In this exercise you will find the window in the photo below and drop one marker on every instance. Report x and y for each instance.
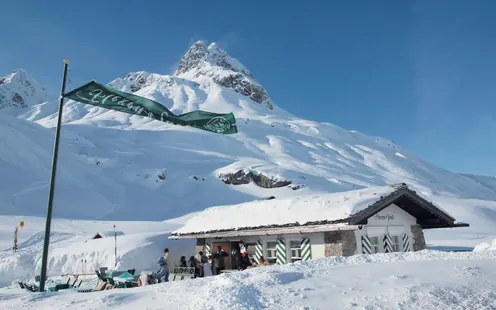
(271, 252)
(295, 247)
(396, 243)
(374, 244)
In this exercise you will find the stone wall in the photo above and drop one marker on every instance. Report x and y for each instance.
(418, 241)
(200, 245)
(340, 243)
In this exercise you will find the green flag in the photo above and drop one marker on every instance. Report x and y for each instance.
(109, 98)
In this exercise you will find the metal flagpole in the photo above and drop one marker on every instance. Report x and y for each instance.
(115, 246)
(52, 183)
(15, 239)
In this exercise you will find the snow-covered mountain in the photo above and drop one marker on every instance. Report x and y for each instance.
(201, 61)
(20, 90)
(122, 166)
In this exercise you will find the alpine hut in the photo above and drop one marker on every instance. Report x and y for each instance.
(366, 221)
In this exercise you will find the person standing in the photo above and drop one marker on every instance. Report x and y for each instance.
(170, 263)
(182, 262)
(236, 254)
(203, 264)
(218, 258)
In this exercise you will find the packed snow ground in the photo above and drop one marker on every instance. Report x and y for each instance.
(421, 280)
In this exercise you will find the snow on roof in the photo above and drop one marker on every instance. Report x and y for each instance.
(277, 212)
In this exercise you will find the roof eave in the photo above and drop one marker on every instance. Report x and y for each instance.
(268, 231)
(445, 225)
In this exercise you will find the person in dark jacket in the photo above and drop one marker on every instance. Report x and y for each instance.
(202, 258)
(192, 262)
(182, 262)
(236, 254)
(245, 261)
(218, 258)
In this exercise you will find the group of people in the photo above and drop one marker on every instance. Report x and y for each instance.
(240, 259)
(204, 265)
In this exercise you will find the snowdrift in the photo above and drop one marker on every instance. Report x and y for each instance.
(485, 246)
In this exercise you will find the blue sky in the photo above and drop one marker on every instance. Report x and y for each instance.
(422, 74)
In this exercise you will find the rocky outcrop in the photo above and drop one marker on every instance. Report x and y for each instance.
(242, 85)
(135, 81)
(206, 61)
(297, 187)
(237, 178)
(246, 176)
(266, 182)
(16, 101)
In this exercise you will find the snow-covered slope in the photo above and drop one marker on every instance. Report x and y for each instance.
(486, 181)
(175, 170)
(138, 160)
(272, 149)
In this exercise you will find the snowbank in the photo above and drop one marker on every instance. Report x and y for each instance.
(486, 246)
(381, 281)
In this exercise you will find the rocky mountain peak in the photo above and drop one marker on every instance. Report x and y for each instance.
(18, 89)
(199, 55)
(212, 61)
